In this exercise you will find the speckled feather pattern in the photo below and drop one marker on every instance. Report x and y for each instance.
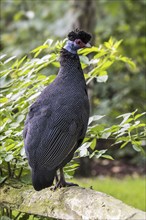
(57, 121)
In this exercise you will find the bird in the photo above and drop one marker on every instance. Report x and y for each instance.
(57, 121)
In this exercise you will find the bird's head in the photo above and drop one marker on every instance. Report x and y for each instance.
(77, 40)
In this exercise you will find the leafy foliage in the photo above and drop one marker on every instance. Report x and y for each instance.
(24, 79)
(129, 131)
(125, 90)
(25, 26)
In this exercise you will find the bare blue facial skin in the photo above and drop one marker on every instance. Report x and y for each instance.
(71, 46)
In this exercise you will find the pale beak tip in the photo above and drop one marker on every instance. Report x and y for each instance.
(88, 45)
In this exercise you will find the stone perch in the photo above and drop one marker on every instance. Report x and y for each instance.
(73, 203)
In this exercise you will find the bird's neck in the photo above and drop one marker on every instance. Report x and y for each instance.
(70, 65)
(71, 47)
(68, 59)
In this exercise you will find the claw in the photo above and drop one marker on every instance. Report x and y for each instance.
(62, 183)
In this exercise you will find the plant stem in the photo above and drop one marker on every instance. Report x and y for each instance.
(20, 173)
(9, 169)
(14, 168)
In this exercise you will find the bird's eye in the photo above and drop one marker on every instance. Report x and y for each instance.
(78, 42)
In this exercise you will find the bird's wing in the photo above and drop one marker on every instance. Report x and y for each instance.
(35, 124)
(49, 141)
(55, 147)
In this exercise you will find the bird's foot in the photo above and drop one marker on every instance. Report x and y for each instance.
(61, 184)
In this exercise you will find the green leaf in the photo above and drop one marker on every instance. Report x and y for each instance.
(111, 41)
(3, 100)
(84, 60)
(100, 54)
(2, 179)
(34, 96)
(2, 56)
(106, 135)
(125, 116)
(106, 65)
(93, 144)
(129, 61)
(56, 64)
(100, 153)
(49, 42)
(107, 45)
(14, 125)
(95, 118)
(139, 115)
(101, 79)
(20, 118)
(112, 129)
(9, 158)
(8, 60)
(136, 147)
(93, 154)
(116, 45)
(22, 152)
(86, 51)
(124, 144)
(10, 147)
(21, 61)
(107, 157)
(83, 149)
(40, 48)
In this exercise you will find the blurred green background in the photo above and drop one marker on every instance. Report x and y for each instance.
(26, 24)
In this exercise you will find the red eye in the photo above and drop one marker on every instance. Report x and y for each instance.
(78, 42)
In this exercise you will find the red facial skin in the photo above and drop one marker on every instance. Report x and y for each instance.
(80, 43)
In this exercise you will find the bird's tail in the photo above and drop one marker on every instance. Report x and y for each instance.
(42, 178)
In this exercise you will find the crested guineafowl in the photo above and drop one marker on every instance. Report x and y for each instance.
(57, 121)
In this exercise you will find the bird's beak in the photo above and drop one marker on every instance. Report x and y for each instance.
(87, 45)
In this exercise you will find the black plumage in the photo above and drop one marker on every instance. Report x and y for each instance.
(57, 121)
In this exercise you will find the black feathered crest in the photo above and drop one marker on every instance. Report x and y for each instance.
(78, 34)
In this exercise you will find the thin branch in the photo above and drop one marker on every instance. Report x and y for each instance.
(1, 171)
(20, 173)
(9, 169)
(17, 216)
(14, 168)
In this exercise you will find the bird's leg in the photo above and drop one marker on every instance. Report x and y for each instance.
(52, 188)
(62, 183)
(56, 178)
(62, 178)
